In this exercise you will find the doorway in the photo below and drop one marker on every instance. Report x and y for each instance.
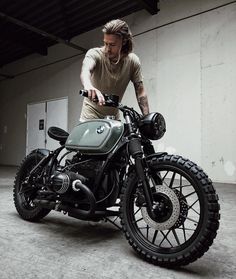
(40, 117)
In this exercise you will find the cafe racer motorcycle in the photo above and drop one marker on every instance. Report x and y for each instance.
(167, 205)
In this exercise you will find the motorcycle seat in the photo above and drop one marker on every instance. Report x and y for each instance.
(58, 134)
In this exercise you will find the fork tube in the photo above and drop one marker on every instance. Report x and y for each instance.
(128, 122)
(135, 150)
(146, 188)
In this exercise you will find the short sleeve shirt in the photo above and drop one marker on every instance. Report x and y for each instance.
(110, 78)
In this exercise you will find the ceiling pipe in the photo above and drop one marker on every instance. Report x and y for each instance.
(41, 32)
(6, 76)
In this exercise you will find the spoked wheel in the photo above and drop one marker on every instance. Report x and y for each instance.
(24, 193)
(186, 213)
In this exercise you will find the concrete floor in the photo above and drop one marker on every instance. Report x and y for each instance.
(63, 247)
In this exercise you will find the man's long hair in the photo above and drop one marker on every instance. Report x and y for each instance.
(120, 28)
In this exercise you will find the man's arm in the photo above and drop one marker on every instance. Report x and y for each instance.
(85, 76)
(141, 97)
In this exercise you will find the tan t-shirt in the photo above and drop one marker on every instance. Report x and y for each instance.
(109, 78)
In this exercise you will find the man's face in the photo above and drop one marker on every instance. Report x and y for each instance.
(112, 46)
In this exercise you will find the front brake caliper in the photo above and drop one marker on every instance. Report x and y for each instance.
(140, 200)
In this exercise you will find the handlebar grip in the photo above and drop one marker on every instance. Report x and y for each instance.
(110, 100)
(83, 93)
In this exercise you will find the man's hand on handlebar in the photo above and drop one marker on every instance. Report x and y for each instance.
(95, 95)
(106, 100)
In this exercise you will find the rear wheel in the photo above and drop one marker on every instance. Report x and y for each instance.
(186, 213)
(24, 193)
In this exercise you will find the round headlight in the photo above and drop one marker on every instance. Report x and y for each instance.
(153, 126)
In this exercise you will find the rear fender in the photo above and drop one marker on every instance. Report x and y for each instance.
(45, 152)
(44, 161)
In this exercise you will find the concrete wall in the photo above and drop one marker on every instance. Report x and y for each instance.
(189, 68)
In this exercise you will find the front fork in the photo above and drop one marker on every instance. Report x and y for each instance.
(136, 152)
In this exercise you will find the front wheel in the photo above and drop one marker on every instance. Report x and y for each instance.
(186, 212)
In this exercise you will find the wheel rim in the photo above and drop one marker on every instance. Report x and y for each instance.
(187, 225)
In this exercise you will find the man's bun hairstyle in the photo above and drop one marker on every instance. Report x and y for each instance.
(120, 28)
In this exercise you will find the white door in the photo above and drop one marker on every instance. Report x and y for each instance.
(36, 116)
(40, 117)
(56, 116)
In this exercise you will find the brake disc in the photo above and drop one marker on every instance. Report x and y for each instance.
(174, 216)
(183, 210)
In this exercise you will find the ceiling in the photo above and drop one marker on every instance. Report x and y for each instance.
(28, 26)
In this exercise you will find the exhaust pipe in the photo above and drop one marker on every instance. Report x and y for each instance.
(77, 186)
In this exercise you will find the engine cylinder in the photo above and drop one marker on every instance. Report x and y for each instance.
(60, 182)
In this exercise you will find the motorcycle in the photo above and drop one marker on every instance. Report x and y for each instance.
(167, 205)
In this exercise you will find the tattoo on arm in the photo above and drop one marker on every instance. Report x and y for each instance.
(143, 104)
(138, 86)
(141, 97)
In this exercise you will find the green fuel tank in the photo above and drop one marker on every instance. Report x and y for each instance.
(97, 136)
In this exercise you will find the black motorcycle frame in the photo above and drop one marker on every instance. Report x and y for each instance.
(131, 141)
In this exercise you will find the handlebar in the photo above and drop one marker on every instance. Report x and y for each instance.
(110, 100)
(113, 101)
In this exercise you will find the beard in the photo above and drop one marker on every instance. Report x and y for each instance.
(111, 56)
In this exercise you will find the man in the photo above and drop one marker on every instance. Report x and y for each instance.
(109, 69)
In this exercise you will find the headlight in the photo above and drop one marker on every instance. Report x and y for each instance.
(153, 126)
